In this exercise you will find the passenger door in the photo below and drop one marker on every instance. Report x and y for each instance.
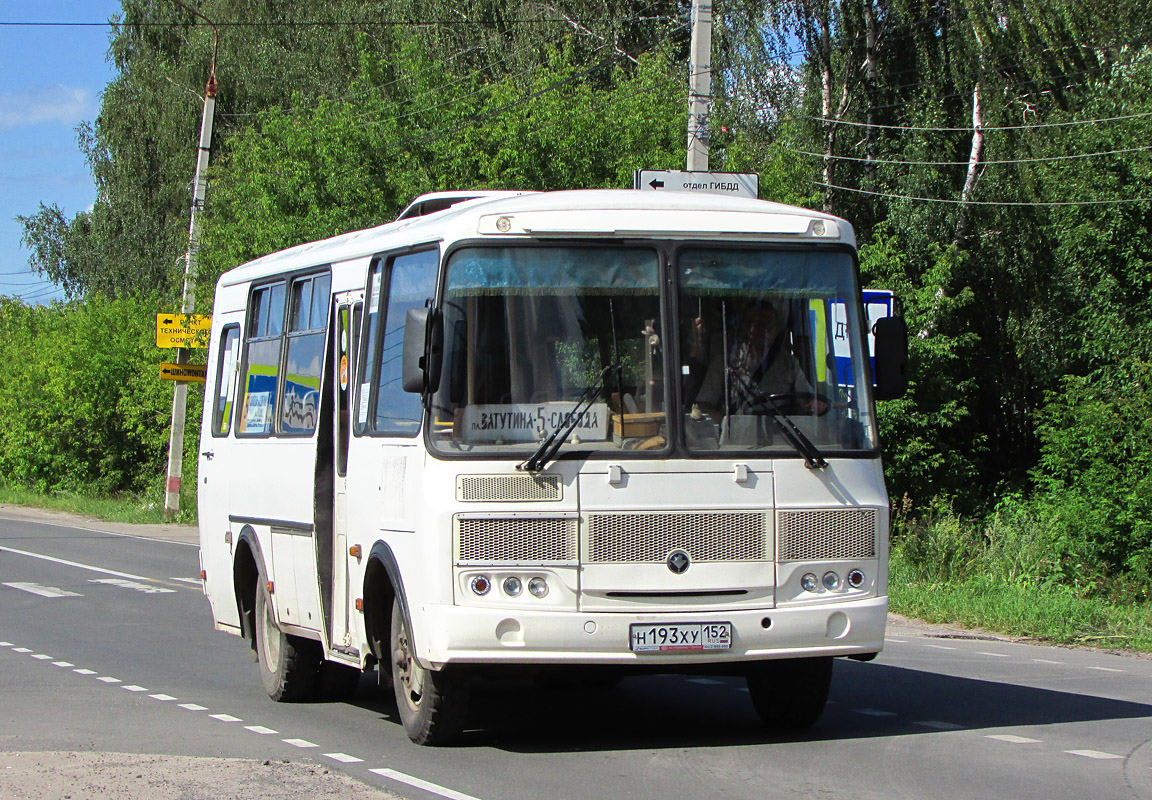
(348, 308)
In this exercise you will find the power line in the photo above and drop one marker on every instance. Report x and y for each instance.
(984, 128)
(891, 162)
(1048, 203)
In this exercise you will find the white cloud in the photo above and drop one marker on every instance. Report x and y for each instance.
(65, 105)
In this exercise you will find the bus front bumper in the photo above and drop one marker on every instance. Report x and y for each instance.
(469, 635)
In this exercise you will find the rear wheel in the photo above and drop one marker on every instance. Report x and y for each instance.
(790, 693)
(289, 665)
(433, 705)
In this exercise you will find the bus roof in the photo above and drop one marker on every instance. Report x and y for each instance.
(586, 213)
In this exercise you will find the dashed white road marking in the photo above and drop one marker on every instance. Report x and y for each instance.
(21, 650)
(63, 664)
(163, 698)
(1008, 737)
(84, 671)
(875, 712)
(193, 707)
(1093, 754)
(343, 758)
(134, 585)
(43, 591)
(133, 688)
(940, 726)
(705, 681)
(993, 655)
(260, 729)
(109, 679)
(940, 646)
(43, 657)
(420, 783)
(1106, 669)
(5, 644)
(225, 718)
(77, 564)
(302, 743)
(1046, 661)
(897, 641)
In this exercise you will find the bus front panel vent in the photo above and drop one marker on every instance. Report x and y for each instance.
(507, 488)
(488, 540)
(628, 537)
(826, 535)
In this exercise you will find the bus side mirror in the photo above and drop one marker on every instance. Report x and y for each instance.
(891, 357)
(423, 345)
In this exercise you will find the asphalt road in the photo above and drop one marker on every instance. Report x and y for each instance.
(107, 646)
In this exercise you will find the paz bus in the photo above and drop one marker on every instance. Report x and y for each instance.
(477, 439)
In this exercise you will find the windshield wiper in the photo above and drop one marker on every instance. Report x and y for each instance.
(796, 437)
(550, 446)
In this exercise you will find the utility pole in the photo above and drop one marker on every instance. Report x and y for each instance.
(188, 304)
(699, 85)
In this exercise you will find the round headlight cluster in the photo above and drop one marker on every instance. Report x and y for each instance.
(512, 586)
(831, 580)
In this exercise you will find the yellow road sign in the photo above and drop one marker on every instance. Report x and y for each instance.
(182, 330)
(192, 373)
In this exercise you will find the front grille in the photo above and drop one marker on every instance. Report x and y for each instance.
(498, 539)
(829, 535)
(718, 536)
(513, 488)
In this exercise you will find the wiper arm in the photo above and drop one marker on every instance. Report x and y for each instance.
(796, 437)
(550, 446)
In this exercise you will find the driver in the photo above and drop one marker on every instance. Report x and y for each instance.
(760, 364)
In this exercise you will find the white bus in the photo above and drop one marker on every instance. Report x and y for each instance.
(583, 431)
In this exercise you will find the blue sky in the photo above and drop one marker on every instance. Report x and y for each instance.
(53, 78)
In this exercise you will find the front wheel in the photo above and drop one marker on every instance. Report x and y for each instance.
(790, 693)
(289, 665)
(433, 705)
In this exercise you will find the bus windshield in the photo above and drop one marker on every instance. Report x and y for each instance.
(528, 329)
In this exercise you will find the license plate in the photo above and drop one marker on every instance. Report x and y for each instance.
(681, 637)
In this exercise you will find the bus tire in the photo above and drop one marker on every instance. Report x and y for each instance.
(433, 706)
(790, 693)
(289, 666)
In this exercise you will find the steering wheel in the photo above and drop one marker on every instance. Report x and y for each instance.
(814, 404)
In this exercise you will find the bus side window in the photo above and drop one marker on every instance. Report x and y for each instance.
(226, 380)
(410, 281)
(262, 359)
(304, 357)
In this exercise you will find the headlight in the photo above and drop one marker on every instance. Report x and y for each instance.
(512, 586)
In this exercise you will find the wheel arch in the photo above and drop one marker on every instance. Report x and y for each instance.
(382, 585)
(247, 566)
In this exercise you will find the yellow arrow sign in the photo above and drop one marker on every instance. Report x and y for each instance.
(182, 330)
(192, 373)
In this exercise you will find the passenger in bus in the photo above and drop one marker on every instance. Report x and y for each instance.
(760, 365)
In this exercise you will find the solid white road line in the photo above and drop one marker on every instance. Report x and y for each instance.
(134, 585)
(420, 783)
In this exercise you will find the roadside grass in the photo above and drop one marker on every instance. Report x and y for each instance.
(1049, 612)
(132, 510)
